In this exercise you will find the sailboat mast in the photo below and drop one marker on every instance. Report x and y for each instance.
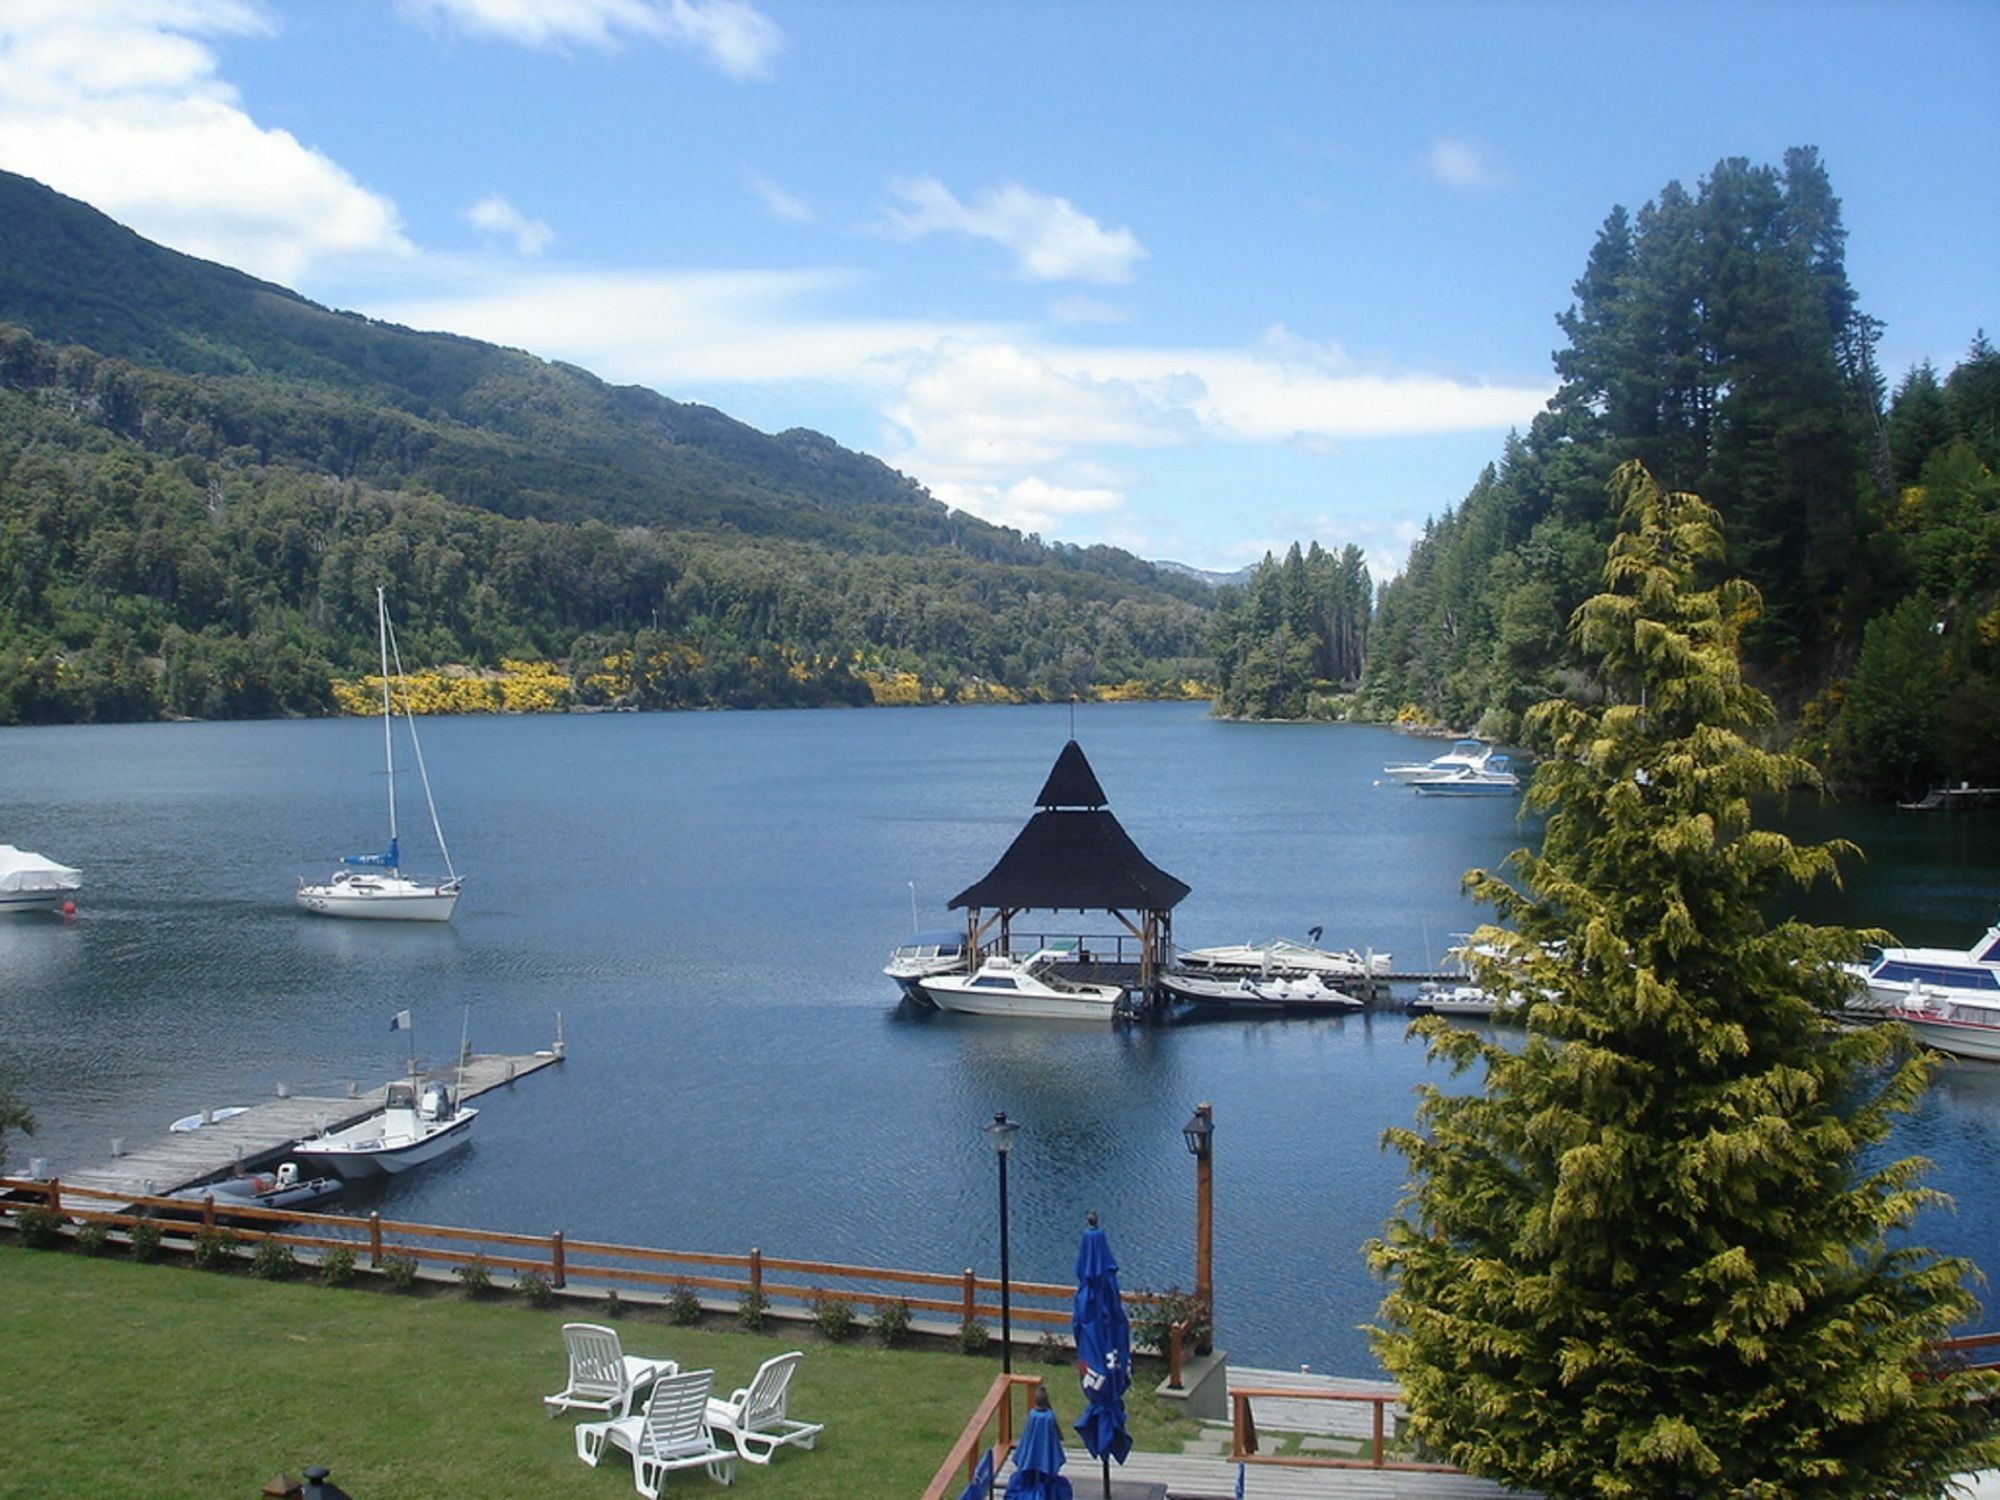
(388, 722)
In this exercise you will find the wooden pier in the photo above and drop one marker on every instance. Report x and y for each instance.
(264, 1132)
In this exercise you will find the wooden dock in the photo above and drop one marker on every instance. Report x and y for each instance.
(264, 1132)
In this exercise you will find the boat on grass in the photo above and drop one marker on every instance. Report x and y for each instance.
(1270, 993)
(28, 882)
(411, 1128)
(1025, 987)
(374, 885)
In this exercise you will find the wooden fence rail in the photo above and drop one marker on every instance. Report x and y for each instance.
(561, 1260)
(995, 1411)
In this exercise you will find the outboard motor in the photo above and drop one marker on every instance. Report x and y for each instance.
(437, 1102)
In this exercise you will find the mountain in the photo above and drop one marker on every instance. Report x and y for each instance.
(1203, 575)
(189, 454)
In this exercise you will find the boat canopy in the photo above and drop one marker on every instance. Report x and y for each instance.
(22, 870)
(389, 859)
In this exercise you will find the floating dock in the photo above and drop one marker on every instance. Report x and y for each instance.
(264, 1132)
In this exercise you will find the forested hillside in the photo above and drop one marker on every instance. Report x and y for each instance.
(1716, 339)
(203, 479)
(1296, 632)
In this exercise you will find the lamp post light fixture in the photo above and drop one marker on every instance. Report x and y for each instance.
(1001, 1133)
(1199, 1133)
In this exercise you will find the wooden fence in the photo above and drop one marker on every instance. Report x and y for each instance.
(765, 1281)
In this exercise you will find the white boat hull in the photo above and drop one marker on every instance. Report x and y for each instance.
(1078, 1007)
(36, 900)
(354, 1157)
(1455, 786)
(381, 900)
(1251, 993)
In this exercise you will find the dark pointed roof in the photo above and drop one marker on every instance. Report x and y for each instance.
(1073, 855)
(1072, 783)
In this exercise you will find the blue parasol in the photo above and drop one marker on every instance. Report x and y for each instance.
(981, 1485)
(1103, 1349)
(1038, 1457)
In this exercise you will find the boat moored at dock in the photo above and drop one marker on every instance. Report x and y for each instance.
(926, 955)
(1025, 987)
(1269, 993)
(1282, 956)
(409, 1130)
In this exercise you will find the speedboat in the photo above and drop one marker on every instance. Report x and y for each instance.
(1494, 778)
(1462, 754)
(924, 955)
(406, 1132)
(1272, 992)
(1283, 956)
(1467, 1000)
(1897, 973)
(1029, 987)
(28, 882)
(375, 886)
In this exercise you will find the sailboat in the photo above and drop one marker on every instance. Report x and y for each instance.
(374, 885)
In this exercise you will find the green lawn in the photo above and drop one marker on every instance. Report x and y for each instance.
(162, 1380)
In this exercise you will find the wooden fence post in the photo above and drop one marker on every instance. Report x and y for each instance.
(971, 1309)
(375, 1240)
(557, 1276)
(756, 1277)
(1174, 1334)
(55, 1195)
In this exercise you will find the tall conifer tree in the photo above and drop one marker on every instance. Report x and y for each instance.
(1651, 1253)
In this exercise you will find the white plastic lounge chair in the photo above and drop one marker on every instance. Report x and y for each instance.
(755, 1416)
(672, 1433)
(602, 1376)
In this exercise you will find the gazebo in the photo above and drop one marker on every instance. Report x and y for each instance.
(1074, 856)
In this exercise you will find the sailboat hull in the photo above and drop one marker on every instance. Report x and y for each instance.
(379, 898)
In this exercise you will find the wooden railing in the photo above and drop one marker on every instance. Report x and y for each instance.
(563, 1262)
(995, 1411)
(1243, 1431)
(1959, 1351)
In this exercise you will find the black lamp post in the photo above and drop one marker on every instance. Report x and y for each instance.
(1001, 1133)
(1199, 1133)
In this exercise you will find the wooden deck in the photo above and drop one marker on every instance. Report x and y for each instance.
(266, 1131)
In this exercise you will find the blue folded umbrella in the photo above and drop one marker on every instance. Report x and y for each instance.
(1103, 1348)
(981, 1485)
(1038, 1461)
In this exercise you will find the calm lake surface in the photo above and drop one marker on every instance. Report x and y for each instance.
(708, 899)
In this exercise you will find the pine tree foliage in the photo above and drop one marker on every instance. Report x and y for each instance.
(1655, 1252)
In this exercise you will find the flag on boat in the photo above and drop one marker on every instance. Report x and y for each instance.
(400, 1021)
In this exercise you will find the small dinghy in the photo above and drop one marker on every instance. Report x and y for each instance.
(285, 1188)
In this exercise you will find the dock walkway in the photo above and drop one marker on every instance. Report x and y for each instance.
(266, 1131)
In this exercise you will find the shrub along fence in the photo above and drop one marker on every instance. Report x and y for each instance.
(758, 1281)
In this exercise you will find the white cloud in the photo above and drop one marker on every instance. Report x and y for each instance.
(117, 102)
(780, 204)
(1051, 239)
(731, 35)
(1465, 165)
(495, 215)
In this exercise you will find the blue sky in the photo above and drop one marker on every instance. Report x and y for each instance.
(1193, 279)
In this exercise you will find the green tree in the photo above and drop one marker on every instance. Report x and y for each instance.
(1890, 737)
(1651, 1254)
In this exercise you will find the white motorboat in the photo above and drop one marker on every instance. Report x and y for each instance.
(409, 1130)
(374, 885)
(1462, 754)
(1494, 778)
(28, 882)
(1960, 1022)
(1253, 992)
(925, 955)
(1896, 974)
(1027, 987)
(1283, 956)
(1467, 1000)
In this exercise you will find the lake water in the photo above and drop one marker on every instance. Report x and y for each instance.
(708, 898)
